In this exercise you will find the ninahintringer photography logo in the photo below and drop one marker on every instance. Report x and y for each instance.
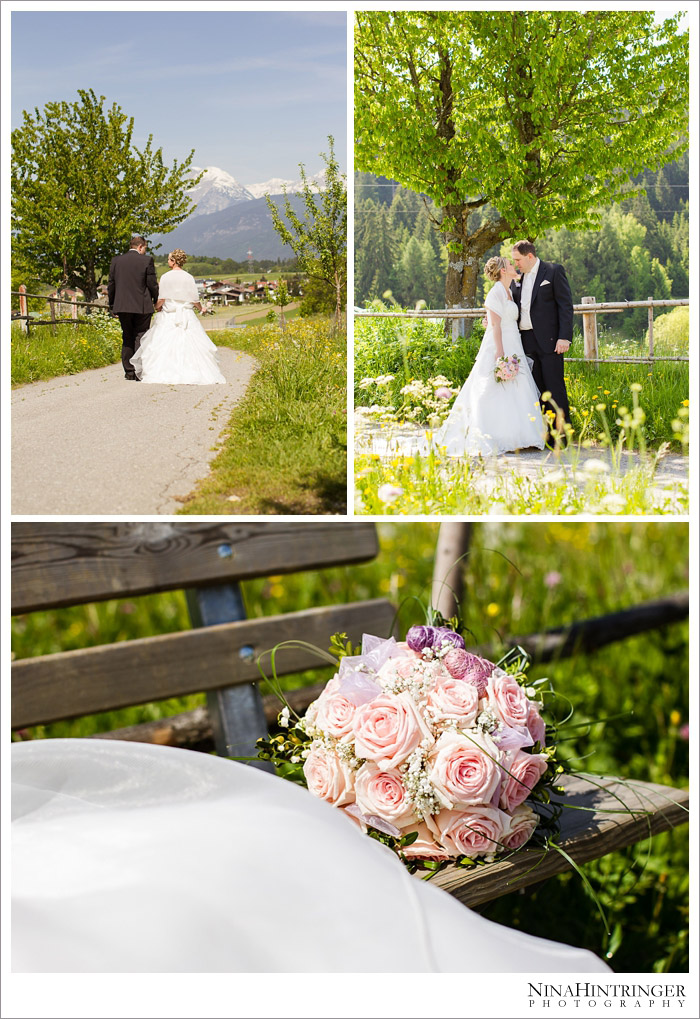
(619, 995)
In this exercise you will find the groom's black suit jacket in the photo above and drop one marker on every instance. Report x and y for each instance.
(133, 284)
(551, 306)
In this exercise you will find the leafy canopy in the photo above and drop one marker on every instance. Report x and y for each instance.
(544, 115)
(319, 238)
(80, 189)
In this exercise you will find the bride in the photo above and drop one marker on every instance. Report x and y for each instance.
(490, 416)
(177, 349)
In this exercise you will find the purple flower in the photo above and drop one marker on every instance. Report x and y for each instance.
(420, 637)
(477, 672)
(443, 636)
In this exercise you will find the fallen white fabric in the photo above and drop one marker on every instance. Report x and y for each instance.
(136, 858)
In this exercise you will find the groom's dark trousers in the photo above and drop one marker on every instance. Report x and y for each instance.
(552, 317)
(131, 291)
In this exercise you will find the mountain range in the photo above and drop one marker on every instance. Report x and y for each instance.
(233, 232)
(232, 218)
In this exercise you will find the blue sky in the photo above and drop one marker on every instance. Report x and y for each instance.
(255, 93)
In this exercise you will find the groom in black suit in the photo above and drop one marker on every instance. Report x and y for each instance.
(132, 290)
(546, 323)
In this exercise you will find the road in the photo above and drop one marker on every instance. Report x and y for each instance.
(94, 444)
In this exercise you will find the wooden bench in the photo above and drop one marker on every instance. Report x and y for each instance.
(64, 564)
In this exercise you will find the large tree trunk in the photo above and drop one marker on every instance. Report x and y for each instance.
(464, 266)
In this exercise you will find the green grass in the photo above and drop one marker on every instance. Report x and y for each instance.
(47, 353)
(560, 572)
(284, 450)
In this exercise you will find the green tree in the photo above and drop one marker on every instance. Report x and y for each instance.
(543, 115)
(319, 239)
(80, 190)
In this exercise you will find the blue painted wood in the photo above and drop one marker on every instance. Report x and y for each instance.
(236, 713)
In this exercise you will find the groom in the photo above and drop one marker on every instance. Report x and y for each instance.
(546, 323)
(131, 291)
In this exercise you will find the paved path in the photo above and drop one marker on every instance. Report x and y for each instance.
(94, 443)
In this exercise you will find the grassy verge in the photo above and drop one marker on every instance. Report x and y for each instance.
(405, 350)
(47, 353)
(284, 450)
(555, 573)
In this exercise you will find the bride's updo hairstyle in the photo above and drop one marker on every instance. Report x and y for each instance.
(178, 256)
(493, 267)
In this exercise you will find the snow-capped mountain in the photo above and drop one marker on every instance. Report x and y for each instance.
(276, 185)
(217, 190)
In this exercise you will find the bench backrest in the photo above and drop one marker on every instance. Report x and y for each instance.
(62, 564)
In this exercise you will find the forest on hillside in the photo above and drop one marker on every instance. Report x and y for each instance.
(640, 247)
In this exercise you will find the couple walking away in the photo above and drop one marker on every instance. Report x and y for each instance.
(176, 349)
(531, 317)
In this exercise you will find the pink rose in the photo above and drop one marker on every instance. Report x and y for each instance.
(384, 794)
(522, 824)
(329, 778)
(335, 714)
(453, 699)
(476, 831)
(464, 770)
(535, 724)
(388, 730)
(522, 773)
(331, 687)
(425, 847)
(507, 698)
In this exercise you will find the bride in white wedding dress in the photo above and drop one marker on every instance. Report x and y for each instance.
(488, 416)
(133, 858)
(177, 349)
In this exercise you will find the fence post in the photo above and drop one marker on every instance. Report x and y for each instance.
(24, 314)
(52, 309)
(590, 332)
(651, 331)
(74, 308)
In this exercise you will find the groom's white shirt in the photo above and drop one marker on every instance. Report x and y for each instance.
(526, 296)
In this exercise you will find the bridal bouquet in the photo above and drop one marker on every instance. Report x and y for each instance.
(506, 368)
(437, 752)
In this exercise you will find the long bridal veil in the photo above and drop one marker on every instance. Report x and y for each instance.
(136, 858)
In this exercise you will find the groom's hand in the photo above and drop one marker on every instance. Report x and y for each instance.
(562, 346)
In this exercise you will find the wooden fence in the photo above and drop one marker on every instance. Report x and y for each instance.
(25, 319)
(589, 309)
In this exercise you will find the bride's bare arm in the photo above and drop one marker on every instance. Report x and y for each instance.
(497, 334)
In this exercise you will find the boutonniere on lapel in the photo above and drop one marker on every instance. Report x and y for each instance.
(518, 281)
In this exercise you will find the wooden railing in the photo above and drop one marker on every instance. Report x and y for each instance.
(25, 319)
(589, 309)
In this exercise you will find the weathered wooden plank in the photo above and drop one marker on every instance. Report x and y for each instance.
(72, 683)
(192, 730)
(585, 835)
(68, 563)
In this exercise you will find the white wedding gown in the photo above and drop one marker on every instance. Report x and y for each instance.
(129, 857)
(490, 417)
(176, 349)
